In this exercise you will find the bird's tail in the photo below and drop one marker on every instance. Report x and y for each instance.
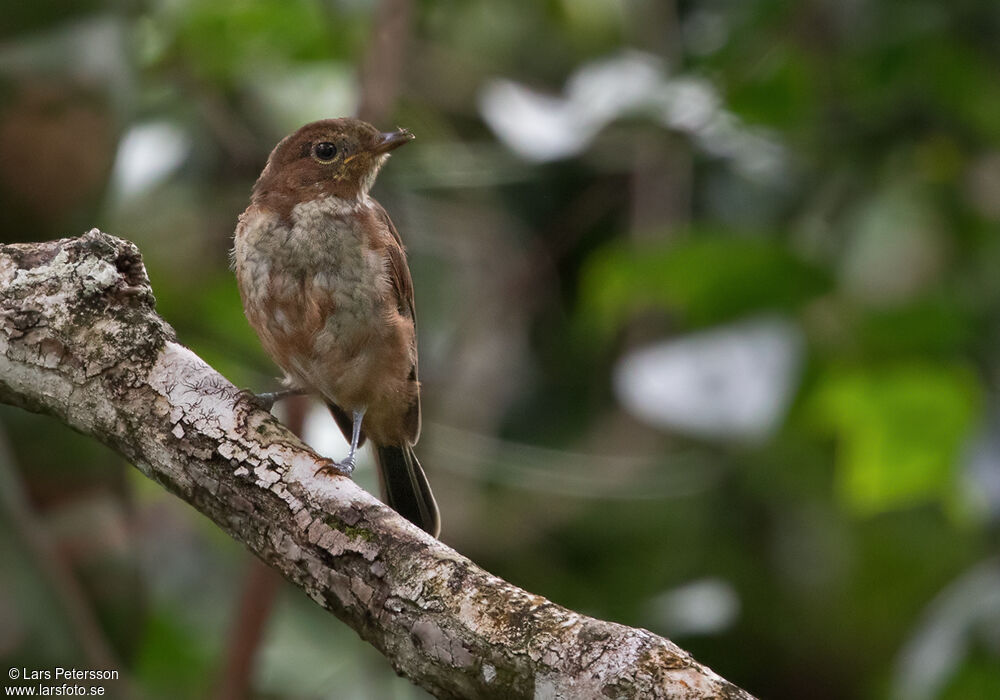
(405, 488)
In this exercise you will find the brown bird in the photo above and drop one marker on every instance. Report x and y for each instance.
(324, 281)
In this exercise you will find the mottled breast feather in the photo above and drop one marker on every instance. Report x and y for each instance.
(318, 288)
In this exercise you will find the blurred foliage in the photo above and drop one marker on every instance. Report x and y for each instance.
(705, 279)
(899, 431)
(833, 163)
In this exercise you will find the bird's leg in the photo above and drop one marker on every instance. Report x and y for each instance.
(346, 466)
(267, 399)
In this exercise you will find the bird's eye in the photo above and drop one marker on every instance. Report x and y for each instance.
(325, 152)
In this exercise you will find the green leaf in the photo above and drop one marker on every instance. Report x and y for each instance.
(899, 431)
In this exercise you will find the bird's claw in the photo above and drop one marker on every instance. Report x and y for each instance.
(331, 468)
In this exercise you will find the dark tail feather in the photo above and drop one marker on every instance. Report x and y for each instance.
(405, 488)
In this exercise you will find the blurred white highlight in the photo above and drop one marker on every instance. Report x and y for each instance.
(707, 606)
(969, 608)
(981, 471)
(147, 155)
(544, 127)
(292, 97)
(732, 382)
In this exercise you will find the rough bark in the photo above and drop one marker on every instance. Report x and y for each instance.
(80, 340)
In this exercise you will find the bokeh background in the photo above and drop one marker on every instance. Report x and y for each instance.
(709, 300)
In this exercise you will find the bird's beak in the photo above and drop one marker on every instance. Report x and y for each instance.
(392, 140)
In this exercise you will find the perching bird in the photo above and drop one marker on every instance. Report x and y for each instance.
(324, 281)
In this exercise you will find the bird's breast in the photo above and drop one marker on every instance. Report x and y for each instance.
(312, 285)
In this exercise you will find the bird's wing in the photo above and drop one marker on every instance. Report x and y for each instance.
(402, 284)
(399, 271)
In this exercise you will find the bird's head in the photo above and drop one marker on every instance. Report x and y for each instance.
(338, 157)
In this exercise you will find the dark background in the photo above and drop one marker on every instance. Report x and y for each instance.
(709, 301)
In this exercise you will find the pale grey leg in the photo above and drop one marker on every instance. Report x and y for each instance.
(348, 464)
(269, 398)
(266, 400)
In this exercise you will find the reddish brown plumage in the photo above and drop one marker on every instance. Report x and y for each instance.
(290, 175)
(324, 281)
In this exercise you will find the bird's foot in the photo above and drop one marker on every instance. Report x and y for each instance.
(347, 464)
(266, 400)
(342, 468)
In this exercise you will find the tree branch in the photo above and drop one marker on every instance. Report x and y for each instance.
(79, 340)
